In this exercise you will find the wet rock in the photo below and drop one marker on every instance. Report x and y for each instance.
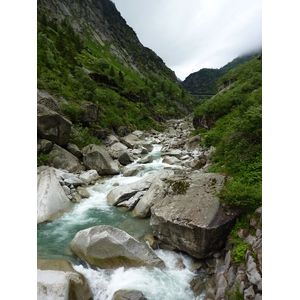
(109, 247)
(56, 279)
(123, 193)
(153, 195)
(133, 170)
(52, 201)
(147, 159)
(128, 295)
(197, 284)
(151, 240)
(83, 192)
(131, 202)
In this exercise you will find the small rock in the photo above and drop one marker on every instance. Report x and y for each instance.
(249, 293)
(83, 192)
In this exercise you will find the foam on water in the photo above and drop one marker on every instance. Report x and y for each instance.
(53, 240)
(169, 283)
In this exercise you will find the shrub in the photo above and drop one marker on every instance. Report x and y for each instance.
(81, 137)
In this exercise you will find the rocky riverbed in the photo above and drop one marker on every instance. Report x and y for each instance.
(179, 201)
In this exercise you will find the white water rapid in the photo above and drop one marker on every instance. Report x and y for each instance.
(171, 283)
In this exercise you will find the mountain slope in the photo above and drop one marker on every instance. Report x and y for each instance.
(91, 59)
(205, 80)
(231, 121)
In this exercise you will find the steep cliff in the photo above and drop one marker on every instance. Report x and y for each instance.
(89, 59)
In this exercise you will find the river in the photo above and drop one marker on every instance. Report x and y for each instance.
(53, 238)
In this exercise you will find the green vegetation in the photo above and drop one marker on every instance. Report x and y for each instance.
(237, 294)
(42, 159)
(205, 81)
(234, 119)
(81, 70)
(177, 187)
(81, 137)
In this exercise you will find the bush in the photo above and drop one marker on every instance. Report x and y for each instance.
(81, 137)
(42, 159)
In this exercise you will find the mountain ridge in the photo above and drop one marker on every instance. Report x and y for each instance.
(205, 80)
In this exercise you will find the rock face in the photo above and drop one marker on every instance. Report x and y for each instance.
(97, 158)
(51, 198)
(56, 279)
(193, 222)
(52, 126)
(109, 247)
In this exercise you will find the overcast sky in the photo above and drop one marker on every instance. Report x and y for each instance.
(193, 34)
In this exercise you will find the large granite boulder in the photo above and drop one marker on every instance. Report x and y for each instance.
(52, 201)
(123, 193)
(155, 194)
(133, 170)
(109, 248)
(52, 126)
(97, 158)
(128, 295)
(190, 218)
(88, 176)
(56, 279)
(63, 159)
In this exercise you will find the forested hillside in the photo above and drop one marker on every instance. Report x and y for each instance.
(205, 80)
(90, 60)
(232, 122)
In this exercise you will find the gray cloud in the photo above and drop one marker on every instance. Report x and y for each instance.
(193, 34)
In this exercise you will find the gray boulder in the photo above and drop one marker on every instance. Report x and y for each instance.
(56, 279)
(131, 202)
(52, 201)
(171, 160)
(108, 247)
(133, 170)
(63, 159)
(128, 295)
(44, 146)
(116, 149)
(97, 158)
(124, 158)
(155, 194)
(192, 220)
(74, 150)
(146, 160)
(130, 140)
(88, 176)
(52, 126)
(123, 193)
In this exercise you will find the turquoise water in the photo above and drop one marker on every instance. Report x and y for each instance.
(53, 240)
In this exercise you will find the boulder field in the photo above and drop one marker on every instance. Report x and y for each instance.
(180, 201)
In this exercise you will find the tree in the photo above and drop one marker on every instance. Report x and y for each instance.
(112, 71)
